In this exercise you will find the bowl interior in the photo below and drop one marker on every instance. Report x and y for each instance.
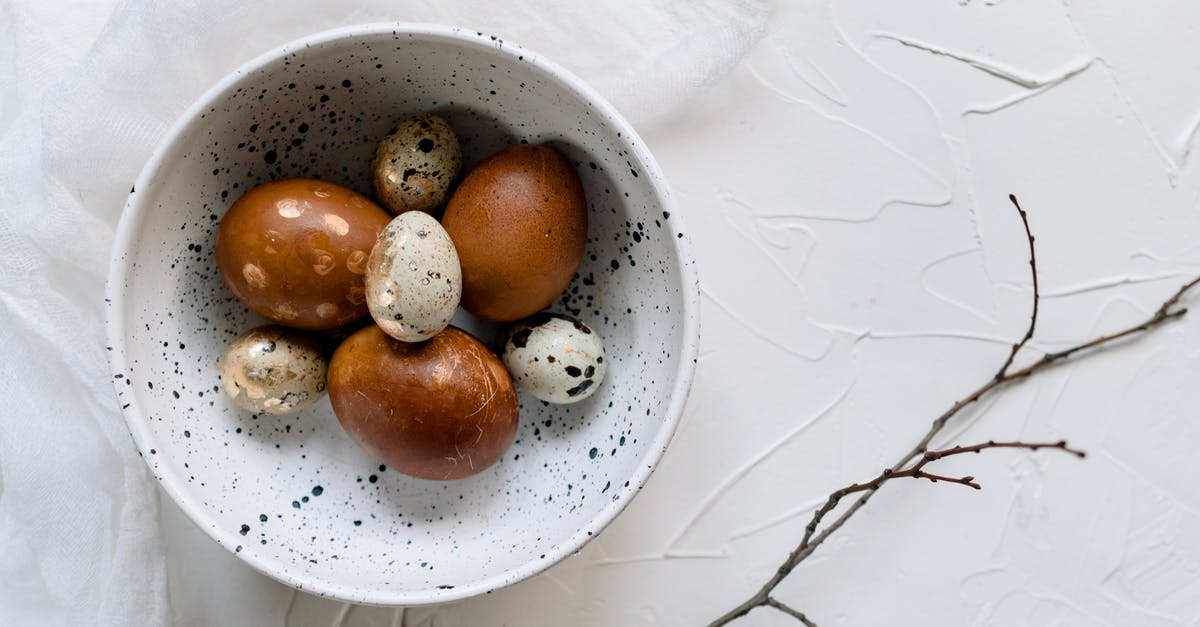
(293, 495)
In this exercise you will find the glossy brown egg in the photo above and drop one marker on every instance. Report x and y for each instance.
(519, 223)
(295, 251)
(440, 409)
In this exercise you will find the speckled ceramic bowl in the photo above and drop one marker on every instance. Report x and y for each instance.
(292, 495)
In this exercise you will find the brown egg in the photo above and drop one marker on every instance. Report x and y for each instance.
(295, 251)
(519, 224)
(440, 409)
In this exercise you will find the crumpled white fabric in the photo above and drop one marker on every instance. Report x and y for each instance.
(86, 90)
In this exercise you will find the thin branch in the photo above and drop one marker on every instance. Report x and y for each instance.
(790, 611)
(813, 539)
(968, 481)
(916, 471)
(1037, 296)
(1162, 315)
(933, 456)
(1164, 310)
(1158, 318)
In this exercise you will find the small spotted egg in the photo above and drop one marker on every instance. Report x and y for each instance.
(413, 278)
(556, 358)
(415, 164)
(273, 370)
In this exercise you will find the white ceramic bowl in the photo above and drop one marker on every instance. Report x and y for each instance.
(293, 496)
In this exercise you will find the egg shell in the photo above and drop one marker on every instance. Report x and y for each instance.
(441, 409)
(415, 164)
(413, 279)
(295, 251)
(554, 357)
(519, 223)
(273, 370)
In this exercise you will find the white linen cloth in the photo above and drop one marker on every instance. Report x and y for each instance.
(87, 88)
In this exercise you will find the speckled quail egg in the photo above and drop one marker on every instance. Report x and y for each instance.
(274, 370)
(413, 278)
(554, 357)
(415, 164)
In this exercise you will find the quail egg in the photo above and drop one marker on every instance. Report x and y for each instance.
(273, 370)
(413, 278)
(415, 164)
(554, 357)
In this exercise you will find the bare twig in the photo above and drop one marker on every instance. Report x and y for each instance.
(813, 539)
(790, 611)
(916, 471)
(1016, 348)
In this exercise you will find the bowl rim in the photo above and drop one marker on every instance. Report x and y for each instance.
(121, 260)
